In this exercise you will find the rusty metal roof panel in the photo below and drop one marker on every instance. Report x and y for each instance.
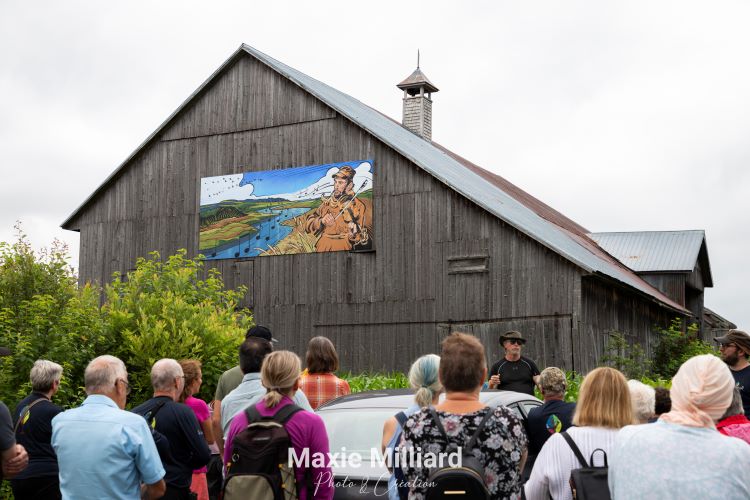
(653, 251)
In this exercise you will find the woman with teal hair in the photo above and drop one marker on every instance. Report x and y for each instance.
(423, 377)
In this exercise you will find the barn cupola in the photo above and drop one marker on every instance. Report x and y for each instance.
(418, 103)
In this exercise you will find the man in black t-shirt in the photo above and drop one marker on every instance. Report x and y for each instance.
(514, 372)
(178, 425)
(33, 417)
(735, 349)
(13, 456)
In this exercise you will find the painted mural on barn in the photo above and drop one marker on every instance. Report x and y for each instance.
(317, 208)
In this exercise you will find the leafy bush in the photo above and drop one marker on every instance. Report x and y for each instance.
(629, 358)
(675, 346)
(165, 309)
(161, 309)
(44, 315)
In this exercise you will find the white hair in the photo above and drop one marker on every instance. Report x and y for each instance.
(164, 372)
(102, 373)
(643, 400)
(44, 374)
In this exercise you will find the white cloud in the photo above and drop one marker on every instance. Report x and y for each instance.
(324, 185)
(224, 187)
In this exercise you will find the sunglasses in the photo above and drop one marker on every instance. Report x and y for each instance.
(514, 341)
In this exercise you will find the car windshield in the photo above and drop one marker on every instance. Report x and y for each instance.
(358, 430)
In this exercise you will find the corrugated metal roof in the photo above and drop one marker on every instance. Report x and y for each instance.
(649, 251)
(487, 190)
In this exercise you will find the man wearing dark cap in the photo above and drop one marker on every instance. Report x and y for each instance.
(342, 220)
(735, 348)
(514, 372)
(230, 379)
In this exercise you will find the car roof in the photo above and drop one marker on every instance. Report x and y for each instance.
(403, 398)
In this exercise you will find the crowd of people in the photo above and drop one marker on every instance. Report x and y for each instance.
(686, 441)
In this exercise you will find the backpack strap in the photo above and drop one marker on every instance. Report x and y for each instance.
(286, 413)
(473, 440)
(401, 418)
(438, 423)
(474, 437)
(26, 411)
(281, 416)
(575, 449)
(604, 453)
(151, 415)
(252, 414)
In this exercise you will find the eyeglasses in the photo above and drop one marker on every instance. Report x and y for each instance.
(514, 341)
(127, 386)
(727, 344)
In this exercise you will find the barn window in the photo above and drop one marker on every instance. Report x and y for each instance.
(468, 264)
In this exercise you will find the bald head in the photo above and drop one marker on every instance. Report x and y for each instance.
(102, 373)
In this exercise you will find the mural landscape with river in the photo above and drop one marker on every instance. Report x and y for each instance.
(267, 212)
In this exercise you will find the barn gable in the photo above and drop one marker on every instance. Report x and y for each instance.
(456, 247)
(257, 104)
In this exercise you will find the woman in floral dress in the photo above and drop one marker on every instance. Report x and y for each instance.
(501, 447)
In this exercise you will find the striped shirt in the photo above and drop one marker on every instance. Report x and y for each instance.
(323, 387)
(551, 472)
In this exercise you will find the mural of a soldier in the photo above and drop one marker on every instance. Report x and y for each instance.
(342, 220)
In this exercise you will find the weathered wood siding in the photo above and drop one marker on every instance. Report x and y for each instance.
(440, 263)
(607, 309)
(671, 284)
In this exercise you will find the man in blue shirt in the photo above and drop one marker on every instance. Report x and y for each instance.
(102, 450)
(252, 353)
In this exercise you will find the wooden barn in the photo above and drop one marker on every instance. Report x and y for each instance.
(454, 247)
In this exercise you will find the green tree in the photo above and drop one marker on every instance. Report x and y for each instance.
(44, 315)
(168, 309)
(676, 345)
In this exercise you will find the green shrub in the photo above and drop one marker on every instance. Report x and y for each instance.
(675, 346)
(44, 315)
(629, 358)
(165, 309)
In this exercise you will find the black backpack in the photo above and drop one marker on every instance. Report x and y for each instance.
(259, 467)
(588, 482)
(466, 481)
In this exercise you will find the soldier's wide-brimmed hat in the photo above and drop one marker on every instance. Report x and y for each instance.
(738, 337)
(345, 172)
(512, 335)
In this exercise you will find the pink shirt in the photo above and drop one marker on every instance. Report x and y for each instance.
(200, 408)
(306, 431)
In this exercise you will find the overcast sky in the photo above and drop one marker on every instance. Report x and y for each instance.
(624, 116)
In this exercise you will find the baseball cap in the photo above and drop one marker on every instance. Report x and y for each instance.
(738, 337)
(261, 332)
